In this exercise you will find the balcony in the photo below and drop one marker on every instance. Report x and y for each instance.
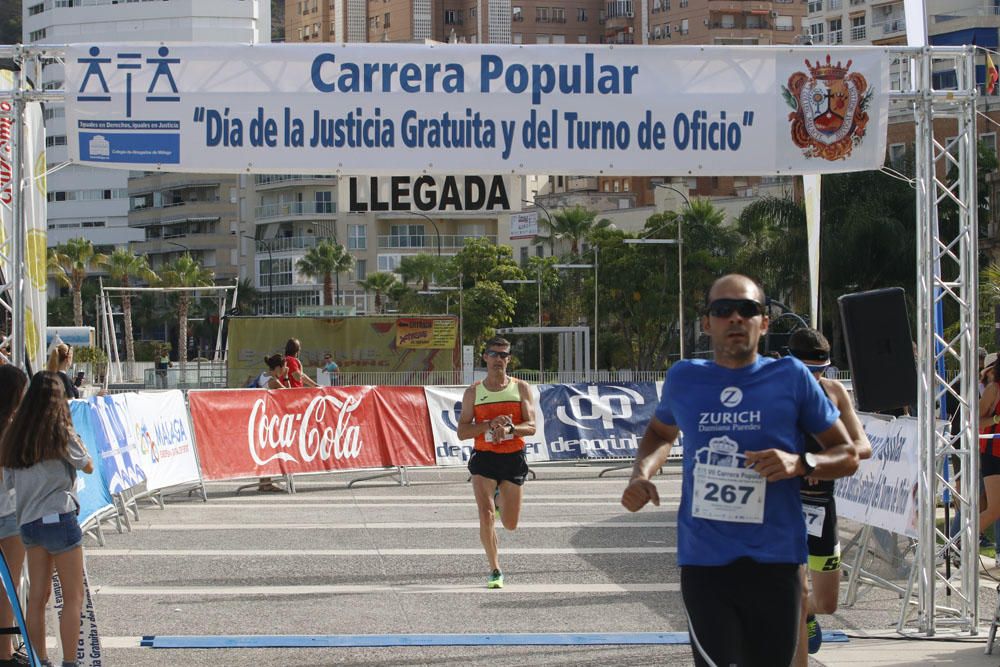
(859, 33)
(286, 244)
(427, 241)
(889, 27)
(740, 25)
(835, 37)
(294, 209)
(194, 211)
(183, 243)
(275, 181)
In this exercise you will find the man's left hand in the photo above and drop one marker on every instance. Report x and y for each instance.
(774, 464)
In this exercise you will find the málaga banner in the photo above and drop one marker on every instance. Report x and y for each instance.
(256, 432)
(382, 109)
(159, 422)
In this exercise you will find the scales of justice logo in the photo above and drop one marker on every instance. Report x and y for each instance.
(829, 109)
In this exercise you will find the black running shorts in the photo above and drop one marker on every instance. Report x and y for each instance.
(744, 613)
(824, 550)
(511, 467)
(988, 465)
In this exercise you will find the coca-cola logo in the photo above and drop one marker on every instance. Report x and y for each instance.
(302, 437)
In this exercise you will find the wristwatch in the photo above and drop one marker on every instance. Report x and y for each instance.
(996, 419)
(510, 429)
(808, 462)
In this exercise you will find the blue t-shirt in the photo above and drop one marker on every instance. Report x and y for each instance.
(769, 404)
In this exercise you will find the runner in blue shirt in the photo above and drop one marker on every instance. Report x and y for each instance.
(741, 535)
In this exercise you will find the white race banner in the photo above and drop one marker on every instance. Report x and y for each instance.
(383, 109)
(444, 405)
(883, 492)
(159, 424)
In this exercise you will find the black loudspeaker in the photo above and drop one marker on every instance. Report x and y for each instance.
(879, 349)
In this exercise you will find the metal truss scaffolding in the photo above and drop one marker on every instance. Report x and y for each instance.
(947, 278)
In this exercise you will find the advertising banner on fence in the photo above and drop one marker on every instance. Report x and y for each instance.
(165, 445)
(358, 344)
(883, 492)
(581, 421)
(385, 109)
(426, 333)
(92, 489)
(120, 463)
(444, 404)
(252, 433)
(597, 421)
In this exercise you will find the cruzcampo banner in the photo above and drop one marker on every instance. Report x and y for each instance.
(358, 344)
(384, 109)
(426, 333)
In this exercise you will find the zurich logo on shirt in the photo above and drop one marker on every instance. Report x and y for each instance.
(731, 397)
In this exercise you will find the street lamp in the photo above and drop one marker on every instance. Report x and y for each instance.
(270, 270)
(179, 245)
(679, 242)
(438, 289)
(547, 217)
(430, 220)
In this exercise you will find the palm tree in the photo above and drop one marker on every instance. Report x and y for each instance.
(122, 267)
(573, 224)
(324, 260)
(380, 283)
(70, 263)
(184, 272)
(776, 249)
(420, 268)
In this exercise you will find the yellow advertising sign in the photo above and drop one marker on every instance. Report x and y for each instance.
(358, 344)
(426, 333)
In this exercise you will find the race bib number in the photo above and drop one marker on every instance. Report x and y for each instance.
(815, 517)
(724, 493)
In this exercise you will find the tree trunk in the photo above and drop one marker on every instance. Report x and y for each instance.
(129, 343)
(378, 301)
(327, 290)
(78, 305)
(182, 313)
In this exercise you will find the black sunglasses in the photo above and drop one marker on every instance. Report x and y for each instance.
(725, 307)
(497, 353)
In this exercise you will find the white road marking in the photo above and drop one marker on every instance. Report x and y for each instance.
(281, 553)
(398, 525)
(350, 589)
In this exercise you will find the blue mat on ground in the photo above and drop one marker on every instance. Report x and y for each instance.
(497, 639)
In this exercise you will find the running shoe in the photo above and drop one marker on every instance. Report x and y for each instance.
(495, 580)
(815, 634)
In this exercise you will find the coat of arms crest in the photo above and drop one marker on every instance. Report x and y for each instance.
(829, 109)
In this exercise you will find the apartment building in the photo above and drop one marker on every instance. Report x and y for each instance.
(90, 202)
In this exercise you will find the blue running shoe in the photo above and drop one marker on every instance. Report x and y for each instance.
(495, 580)
(815, 634)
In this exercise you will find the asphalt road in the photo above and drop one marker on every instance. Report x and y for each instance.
(387, 559)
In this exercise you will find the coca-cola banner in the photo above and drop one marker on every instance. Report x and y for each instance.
(165, 445)
(257, 432)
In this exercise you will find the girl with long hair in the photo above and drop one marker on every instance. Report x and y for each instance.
(12, 384)
(40, 454)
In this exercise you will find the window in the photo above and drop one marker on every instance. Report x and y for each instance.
(388, 262)
(36, 35)
(385, 22)
(684, 25)
(539, 250)
(357, 237)
(542, 39)
(523, 255)
(36, 9)
(581, 39)
(55, 140)
(858, 28)
(816, 31)
(989, 141)
(815, 6)
(897, 152)
(278, 272)
(452, 17)
(834, 5)
(516, 38)
(836, 31)
(516, 13)
(542, 14)
(558, 15)
(406, 236)
(360, 269)
(581, 14)
(324, 202)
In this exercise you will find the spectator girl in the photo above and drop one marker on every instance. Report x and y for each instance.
(40, 454)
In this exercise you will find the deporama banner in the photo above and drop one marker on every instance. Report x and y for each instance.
(92, 489)
(883, 491)
(119, 455)
(383, 109)
(573, 422)
(165, 444)
(444, 405)
(256, 432)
